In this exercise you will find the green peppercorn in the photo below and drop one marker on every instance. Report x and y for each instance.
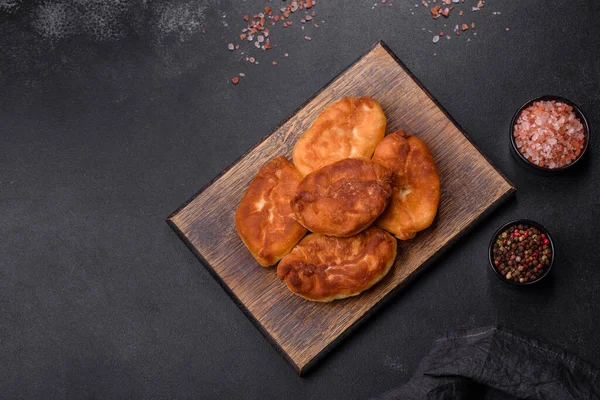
(519, 253)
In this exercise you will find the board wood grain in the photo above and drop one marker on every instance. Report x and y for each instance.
(304, 331)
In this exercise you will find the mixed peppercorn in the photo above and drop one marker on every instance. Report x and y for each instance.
(521, 253)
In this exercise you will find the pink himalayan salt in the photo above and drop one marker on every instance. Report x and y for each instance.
(549, 134)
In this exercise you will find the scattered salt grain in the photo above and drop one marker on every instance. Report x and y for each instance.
(255, 29)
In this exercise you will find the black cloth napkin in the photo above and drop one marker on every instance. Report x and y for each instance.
(497, 363)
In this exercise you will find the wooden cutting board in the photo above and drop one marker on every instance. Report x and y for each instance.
(304, 331)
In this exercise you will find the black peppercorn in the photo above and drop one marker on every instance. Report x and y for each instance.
(525, 254)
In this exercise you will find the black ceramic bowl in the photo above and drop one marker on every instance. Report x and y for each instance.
(578, 114)
(534, 224)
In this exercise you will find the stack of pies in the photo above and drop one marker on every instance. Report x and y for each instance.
(352, 187)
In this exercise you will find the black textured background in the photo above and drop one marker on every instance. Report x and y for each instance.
(114, 112)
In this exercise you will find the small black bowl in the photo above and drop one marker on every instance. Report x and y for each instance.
(578, 114)
(534, 224)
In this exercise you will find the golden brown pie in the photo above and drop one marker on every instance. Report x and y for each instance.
(264, 219)
(416, 192)
(325, 268)
(349, 128)
(343, 198)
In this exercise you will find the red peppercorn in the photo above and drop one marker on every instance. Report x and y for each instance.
(517, 255)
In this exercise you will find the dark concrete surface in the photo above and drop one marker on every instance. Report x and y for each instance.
(114, 112)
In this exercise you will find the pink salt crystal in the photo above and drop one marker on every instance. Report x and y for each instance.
(549, 134)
